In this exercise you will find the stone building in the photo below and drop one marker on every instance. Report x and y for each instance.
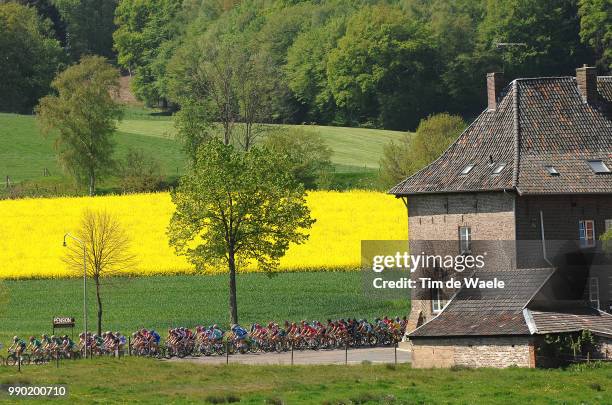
(530, 182)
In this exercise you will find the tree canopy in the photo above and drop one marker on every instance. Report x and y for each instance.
(433, 136)
(85, 115)
(89, 26)
(31, 57)
(343, 62)
(144, 35)
(236, 207)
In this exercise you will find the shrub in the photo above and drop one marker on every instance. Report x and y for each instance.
(140, 173)
(431, 139)
(307, 152)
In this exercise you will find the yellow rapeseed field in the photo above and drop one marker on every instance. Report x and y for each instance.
(32, 231)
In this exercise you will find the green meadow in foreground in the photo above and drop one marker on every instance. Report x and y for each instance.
(163, 301)
(131, 380)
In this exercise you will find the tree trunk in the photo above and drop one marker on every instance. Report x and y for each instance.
(232, 288)
(226, 135)
(97, 280)
(247, 140)
(92, 184)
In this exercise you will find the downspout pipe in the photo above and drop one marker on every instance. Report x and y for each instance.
(544, 239)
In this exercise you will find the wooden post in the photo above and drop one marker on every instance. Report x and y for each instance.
(226, 353)
(395, 352)
(292, 353)
(346, 353)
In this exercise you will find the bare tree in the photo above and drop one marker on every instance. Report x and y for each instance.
(219, 71)
(255, 87)
(224, 84)
(106, 248)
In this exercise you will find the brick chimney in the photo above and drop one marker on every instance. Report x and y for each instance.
(495, 84)
(586, 77)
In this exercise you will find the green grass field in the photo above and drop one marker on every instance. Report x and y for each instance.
(131, 380)
(25, 153)
(163, 301)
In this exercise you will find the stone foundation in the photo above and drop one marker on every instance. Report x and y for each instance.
(498, 352)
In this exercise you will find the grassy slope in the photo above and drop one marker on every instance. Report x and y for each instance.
(159, 302)
(24, 153)
(151, 381)
(353, 147)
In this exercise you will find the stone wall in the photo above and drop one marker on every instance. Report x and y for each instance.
(438, 217)
(498, 352)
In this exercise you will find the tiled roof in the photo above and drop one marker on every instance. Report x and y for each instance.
(487, 312)
(537, 122)
(604, 87)
(576, 319)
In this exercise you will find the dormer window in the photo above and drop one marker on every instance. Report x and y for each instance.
(551, 170)
(498, 169)
(598, 166)
(467, 169)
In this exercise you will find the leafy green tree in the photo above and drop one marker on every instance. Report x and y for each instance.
(47, 10)
(596, 29)
(84, 114)
(144, 41)
(308, 155)
(235, 207)
(548, 28)
(30, 57)
(454, 29)
(433, 136)
(395, 164)
(306, 69)
(383, 69)
(89, 26)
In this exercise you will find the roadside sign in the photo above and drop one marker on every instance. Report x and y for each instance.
(63, 322)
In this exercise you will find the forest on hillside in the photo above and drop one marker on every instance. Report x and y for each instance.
(381, 64)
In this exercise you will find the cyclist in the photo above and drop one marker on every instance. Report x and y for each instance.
(215, 333)
(35, 345)
(45, 341)
(18, 346)
(155, 338)
(239, 332)
(308, 330)
(68, 345)
(82, 341)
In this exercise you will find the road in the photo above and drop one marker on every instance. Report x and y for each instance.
(353, 356)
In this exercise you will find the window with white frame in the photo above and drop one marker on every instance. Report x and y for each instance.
(594, 292)
(465, 239)
(608, 225)
(437, 303)
(586, 230)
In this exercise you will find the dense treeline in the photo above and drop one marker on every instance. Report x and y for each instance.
(348, 62)
(358, 62)
(40, 38)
